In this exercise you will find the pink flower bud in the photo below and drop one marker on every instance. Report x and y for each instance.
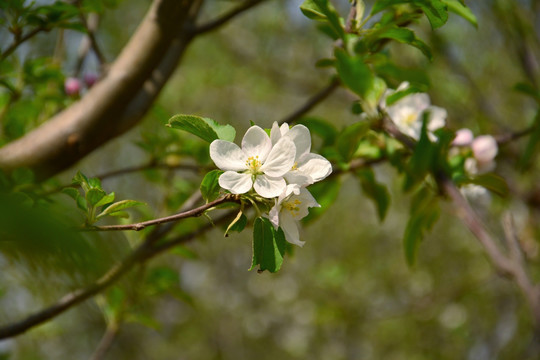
(72, 86)
(90, 79)
(484, 148)
(463, 137)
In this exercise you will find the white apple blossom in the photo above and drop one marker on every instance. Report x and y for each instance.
(308, 167)
(291, 206)
(257, 165)
(408, 112)
(484, 148)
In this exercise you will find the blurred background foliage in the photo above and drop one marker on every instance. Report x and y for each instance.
(348, 294)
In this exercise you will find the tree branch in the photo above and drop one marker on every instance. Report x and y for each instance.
(189, 213)
(19, 40)
(117, 102)
(213, 25)
(145, 251)
(311, 102)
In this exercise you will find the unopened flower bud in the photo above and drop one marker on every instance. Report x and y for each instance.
(90, 79)
(72, 86)
(484, 148)
(463, 137)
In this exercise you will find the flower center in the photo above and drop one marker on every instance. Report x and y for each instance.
(253, 164)
(410, 117)
(292, 206)
(295, 166)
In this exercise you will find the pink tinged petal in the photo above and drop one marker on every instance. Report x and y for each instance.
(281, 158)
(275, 133)
(256, 142)
(227, 156)
(290, 229)
(269, 187)
(484, 148)
(464, 137)
(301, 137)
(314, 165)
(236, 183)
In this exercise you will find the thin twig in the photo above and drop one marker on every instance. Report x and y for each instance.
(19, 40)
(106, 341)
(213, 25)
(511, 136)
(311, 102)
(186, 214)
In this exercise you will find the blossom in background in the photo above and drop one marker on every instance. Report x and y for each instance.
(408, 113)
(292, 206)
(257, 165)
(464, 137)
(484, 150)
(308, 167)
(72, 86)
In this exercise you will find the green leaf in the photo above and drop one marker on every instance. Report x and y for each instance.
(421, 160)
(22, 176)
(350, 137)
(268, 246)
(527, 158)
(205, 128)
(93, 196)
(312, 11)
(354, 72)
(240, 224)
(528, 89)
(423, 215)
(459, 8)
(82, 180)
(107, 199)
(117, 206)
(94, 183)
(435, 10)
(81, 203)
(375, 191)
(71, 192)
(120, 214)
(404, 36)
(321, 128)
(210, 186)
(326, 193)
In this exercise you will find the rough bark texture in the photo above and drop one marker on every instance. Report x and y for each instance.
(118, 101)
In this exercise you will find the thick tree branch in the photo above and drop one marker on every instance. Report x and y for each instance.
(117, 102)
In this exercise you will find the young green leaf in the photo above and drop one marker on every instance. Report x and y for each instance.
(93, 196)
(492, 182)
(71, 192)
(268, 246)
(210, 186)
(354, 72)
(435, 10)
(107, 199)
(459, 8)
(117, 206)
(205, 128)
(348, 140)
(402, 35)
(312, 11)
(375, 191)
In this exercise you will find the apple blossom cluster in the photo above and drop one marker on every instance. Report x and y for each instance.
(278, 167)
(408, 113)
(483, 149)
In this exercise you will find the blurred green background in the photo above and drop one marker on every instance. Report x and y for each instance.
(348, 293)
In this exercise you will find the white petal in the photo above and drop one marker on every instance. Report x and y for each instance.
(297, 178)
(464, 137)
(227, 155)
(281, 158)
(256, 142)
(284, 128)
(314, 165)
(301, 137)
(237, 183)
(275, 133)
(273, 215)
(290, 228)
(437, 118)
(485, 148)
(289, 190)
(269, 187)
(308, 201)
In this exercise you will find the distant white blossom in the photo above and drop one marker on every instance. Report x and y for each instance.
(257, 165)
(408, 113)
(292, 206)
(308, 167)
